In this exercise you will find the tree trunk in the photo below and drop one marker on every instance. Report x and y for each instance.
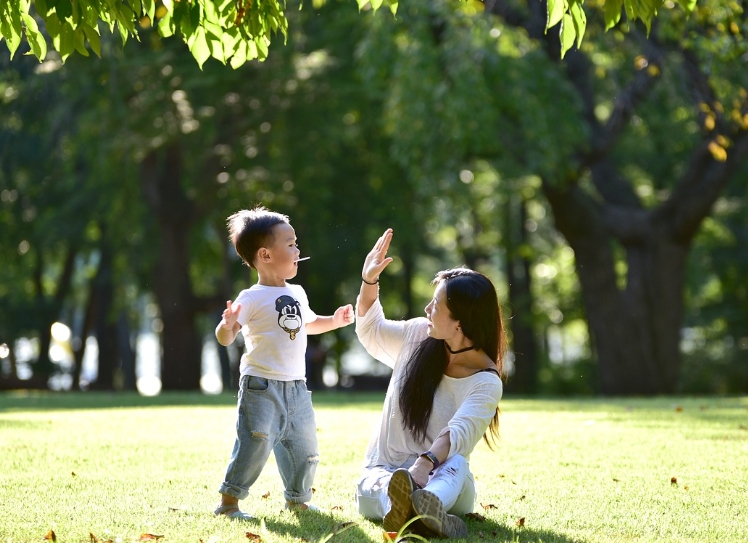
(636, 327)
(79, 345)
(126, 352)
(524, 345)
(104, 325)
(180, 341)
(49, 309)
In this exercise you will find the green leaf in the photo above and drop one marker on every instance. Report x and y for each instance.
(53, 27)
(64, 9)
(42, 8)
(166, 26)
(613, 10)
(361, 4)
(65, 41)
(94, 40)
(580, 21)
(631, 11)
(210, 13)
(34, 37)
(136, 6)
(149, 6)
(556, 10)
(376, 4)
(199, 46)
(79, 42)
(393, 8)
(687, 5)
(240, 55)
(262, 47)
(12, 36)
(567, 34)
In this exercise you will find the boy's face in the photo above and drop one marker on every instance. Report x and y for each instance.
(283, 252)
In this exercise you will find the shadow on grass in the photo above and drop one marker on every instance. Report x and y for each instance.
(35, 400)
(493, 531)
(315, 531)
(315, 526)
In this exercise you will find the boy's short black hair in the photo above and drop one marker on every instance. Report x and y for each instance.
(251, 229)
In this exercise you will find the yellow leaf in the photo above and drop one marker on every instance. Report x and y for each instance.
(718, 152)
(709, 122)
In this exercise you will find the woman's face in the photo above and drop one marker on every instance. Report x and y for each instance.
(441, 323)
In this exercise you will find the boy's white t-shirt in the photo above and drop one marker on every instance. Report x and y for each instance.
(274, 323)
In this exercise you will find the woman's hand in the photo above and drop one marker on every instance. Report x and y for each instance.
(420, 471)
(377, 259)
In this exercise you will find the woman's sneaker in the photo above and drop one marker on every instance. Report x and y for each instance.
(399, 490)
(431, 510)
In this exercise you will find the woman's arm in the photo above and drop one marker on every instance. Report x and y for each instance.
(376, 261)
(423, 466)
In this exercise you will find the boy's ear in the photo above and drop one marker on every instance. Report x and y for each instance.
(263, 254)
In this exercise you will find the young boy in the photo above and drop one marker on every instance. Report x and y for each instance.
(275, 409)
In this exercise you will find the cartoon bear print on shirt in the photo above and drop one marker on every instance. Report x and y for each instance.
(289, 314)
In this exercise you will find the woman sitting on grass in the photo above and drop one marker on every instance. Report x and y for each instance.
(443, 396)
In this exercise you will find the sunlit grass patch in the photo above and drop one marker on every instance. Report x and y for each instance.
(117, 467)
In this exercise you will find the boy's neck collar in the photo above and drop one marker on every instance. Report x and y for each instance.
(271, 283)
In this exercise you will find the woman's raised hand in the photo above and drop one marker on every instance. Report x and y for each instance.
(377, 259)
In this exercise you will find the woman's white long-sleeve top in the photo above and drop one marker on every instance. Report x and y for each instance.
(463, 407)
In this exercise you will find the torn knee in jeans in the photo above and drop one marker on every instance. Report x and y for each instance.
(259, 435)
(313, 459)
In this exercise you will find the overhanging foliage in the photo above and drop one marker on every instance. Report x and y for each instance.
(232, 31)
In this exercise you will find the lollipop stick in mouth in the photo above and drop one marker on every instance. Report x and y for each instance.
(305, 258)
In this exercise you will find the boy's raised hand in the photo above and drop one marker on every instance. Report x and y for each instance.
(230, 315)
(343, 316)
(377, 259)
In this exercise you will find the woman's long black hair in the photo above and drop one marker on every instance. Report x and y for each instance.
(472, 300)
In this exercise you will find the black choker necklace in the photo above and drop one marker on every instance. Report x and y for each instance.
(458, 351)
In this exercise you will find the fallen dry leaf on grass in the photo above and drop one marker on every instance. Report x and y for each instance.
(489, 506)
(476, 516)
(253, 537)
(150, 537)
(334, 507)
(673, 480)
(51, 536)
(520, 522)
(266, 495)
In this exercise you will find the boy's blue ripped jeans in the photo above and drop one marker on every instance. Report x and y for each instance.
(273, 416)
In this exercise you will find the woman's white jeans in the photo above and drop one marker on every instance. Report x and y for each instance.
(451, 482)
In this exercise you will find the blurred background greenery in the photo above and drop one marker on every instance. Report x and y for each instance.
(605, 194)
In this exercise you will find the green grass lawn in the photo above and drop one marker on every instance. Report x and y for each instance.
(115, 467)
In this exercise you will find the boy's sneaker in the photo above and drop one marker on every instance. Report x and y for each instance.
(294, 506)
(235, 513)
(399, 490)
(434, 517)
